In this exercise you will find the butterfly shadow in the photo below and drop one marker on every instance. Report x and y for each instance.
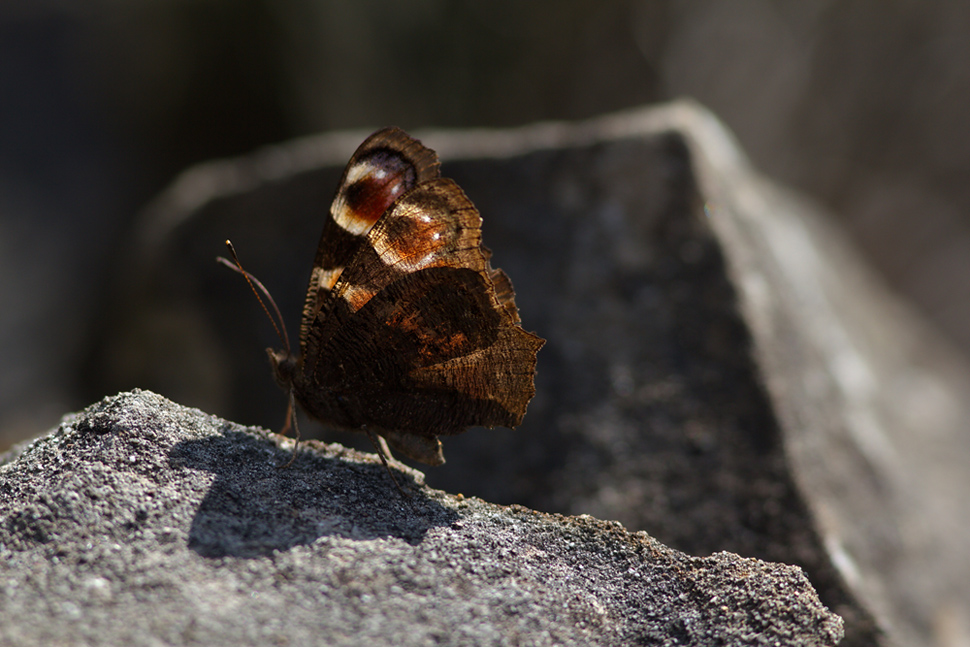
(254, 506)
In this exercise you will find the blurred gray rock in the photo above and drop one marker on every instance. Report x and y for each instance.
(721, 370)
(142, 522)
(862, 107)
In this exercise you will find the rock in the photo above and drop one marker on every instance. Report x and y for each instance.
(139, 521)
(722, 370)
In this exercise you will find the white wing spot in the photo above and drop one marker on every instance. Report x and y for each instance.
(342, 214)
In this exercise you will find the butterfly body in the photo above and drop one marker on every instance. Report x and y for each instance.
(407, 330)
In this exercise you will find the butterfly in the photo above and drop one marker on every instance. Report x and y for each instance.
(407, 331)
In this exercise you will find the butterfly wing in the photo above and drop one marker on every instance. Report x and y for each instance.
(419, 335)
(387, 165)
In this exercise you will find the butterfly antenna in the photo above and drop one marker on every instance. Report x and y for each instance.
(280, 329)
(254, 283)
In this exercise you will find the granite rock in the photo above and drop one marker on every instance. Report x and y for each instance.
(142, 522)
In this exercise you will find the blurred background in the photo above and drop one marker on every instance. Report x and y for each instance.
(861, 104)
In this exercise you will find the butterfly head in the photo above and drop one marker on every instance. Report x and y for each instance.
(284, 367)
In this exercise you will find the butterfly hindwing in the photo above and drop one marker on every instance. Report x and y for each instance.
(383, 360)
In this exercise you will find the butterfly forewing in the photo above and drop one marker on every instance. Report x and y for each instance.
(407, 330)
(387, 165)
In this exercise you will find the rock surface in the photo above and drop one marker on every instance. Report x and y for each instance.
(142, 522)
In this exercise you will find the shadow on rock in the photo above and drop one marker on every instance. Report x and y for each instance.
(254, 507)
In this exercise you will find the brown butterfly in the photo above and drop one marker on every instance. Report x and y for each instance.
(407, 332)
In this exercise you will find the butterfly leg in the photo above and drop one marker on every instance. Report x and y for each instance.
(291, 422)
(381, 446)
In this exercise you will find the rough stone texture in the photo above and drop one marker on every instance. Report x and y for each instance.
(141, 522)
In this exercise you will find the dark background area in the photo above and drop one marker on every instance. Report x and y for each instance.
(863, 105)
